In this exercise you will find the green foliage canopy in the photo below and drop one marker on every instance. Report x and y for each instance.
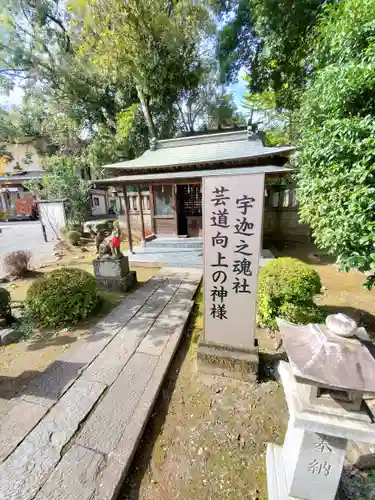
(336, 163)
(271, 40)
(64, 182)
(153, 46)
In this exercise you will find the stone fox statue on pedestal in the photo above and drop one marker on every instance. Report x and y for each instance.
(106, 249)
(103, 248)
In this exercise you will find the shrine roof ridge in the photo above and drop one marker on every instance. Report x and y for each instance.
(202, 149)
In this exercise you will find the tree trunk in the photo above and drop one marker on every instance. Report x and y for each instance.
(146, 112)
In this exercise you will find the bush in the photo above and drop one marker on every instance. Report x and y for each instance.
(286, 282)
(302, 313)
(105, 225)
(72, 226)
(17, 263)
(74, 237)
(63, 296)
(4, 303)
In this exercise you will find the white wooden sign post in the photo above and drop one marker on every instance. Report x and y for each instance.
(232, 227)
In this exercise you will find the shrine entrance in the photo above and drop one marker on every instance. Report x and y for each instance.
(189, 210)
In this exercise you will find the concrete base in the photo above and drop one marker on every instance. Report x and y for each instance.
(228, 361)
(276, 478)
(117, 284)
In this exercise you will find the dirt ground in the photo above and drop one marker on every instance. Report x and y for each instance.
(22, 361)
(342, 292)
(207, 436)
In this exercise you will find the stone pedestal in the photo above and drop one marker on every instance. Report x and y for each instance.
(114, 275)
(309, 464)
(227, 361)
(313, 463)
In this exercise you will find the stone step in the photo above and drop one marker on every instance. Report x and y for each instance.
(171, 259)
(196, 243)
(176, 250)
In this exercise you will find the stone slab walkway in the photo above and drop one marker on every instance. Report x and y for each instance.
(72, 432)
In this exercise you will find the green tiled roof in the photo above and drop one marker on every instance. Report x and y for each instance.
(202, 149)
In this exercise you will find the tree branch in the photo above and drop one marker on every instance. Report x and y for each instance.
(182, 117)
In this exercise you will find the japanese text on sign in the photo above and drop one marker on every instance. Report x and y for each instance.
(241, 267)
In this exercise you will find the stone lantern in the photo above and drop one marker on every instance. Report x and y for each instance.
(331, 367)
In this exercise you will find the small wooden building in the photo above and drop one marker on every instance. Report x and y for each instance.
(172, 170)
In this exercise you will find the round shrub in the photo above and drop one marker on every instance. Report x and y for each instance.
(63, 296)
(4, 302)
(285, 280)
(74, 237)
(105, 225)
(302, 313)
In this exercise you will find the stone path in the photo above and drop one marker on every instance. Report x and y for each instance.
(72, 431)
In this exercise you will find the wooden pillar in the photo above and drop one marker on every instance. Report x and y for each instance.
(127, 215)
(152, 208)
(141, 212)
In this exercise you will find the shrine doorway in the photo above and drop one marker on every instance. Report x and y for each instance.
(189, 210)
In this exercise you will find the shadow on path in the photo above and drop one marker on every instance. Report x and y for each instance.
(48, 385)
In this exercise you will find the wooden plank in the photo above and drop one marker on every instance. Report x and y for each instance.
(127, 215)
(141, 213)
(165, 225)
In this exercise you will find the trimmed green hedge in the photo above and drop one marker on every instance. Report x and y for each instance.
(62, 297)
(74, 237)
(287, 288)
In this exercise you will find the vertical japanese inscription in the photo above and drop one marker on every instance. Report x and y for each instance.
(233, 210)
(219, 267)
(319, 466)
